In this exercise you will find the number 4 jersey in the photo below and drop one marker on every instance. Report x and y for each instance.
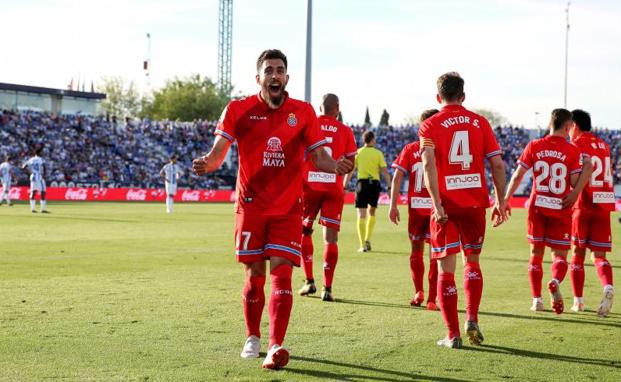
(599, 194)
(554, 161)
(462, 140)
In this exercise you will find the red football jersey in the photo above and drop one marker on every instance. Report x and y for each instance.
(599, 193)
(410, 163)
(553, 161)
(271, 145)
(462, 140)
(341, 142)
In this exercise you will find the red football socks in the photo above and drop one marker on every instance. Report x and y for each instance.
(473, 289)
(576, 274)
(559, 268)
(448, 303)
(330, 258)
(281, 302)
(604, 271)
(433, 280)
(417, 269)
(253, 300)
(307, 256)
(535, 275)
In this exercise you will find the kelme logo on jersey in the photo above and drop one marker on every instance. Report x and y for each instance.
(273, 155)
(292, 121)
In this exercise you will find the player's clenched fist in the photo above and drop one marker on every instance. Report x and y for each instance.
(199, 166)
(344, 166)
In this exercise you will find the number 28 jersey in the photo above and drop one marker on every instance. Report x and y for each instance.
(461, 140)
(554, 161)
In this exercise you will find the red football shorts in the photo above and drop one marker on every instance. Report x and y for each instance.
(259, 237)
(591, 229)
(418, 226)
(464, 231)
(330, 204)
(549, 230)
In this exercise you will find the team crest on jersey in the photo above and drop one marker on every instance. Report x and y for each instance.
(292, 121)
(273, 155)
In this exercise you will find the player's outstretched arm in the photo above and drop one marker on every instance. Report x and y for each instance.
(324, 162)
(393, 212)
(578, 182)
(431, 182)
(213, 160)
(499, 211)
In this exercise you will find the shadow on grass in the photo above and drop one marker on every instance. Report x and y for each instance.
(83, 218)
(538, 355)
(386, 375)
(545, 316)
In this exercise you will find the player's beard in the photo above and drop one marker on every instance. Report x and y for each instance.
(274, 98)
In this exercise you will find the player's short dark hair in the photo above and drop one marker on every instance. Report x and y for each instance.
(559, 117)
(368, 136)
(271, 54)
(428, 113)
(582, 119)
(450, 86)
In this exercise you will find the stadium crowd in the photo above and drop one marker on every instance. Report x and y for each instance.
(97, 150)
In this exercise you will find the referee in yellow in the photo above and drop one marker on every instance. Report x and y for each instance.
(370, 163)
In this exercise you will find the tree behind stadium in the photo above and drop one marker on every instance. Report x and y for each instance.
(186, 99)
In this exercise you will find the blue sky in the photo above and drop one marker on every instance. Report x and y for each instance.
(384, 54)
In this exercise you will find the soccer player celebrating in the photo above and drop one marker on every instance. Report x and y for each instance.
(273, 133)
(171, 172)
(370, 162)
(591, 214)
(6, 171)
(455, 143)
(324, 191)
(409, 163)
(556, 166)
(36, 167)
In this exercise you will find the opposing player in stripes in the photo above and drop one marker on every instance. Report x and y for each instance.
(171, 173)
(37, 184)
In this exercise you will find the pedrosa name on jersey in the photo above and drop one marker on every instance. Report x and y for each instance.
(551, 154)
(460, 182)
(459, 120)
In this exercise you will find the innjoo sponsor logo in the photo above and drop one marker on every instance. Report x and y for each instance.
(136, 195)
(459, 182)
(76, 194)
(191, 195)
(603, 197)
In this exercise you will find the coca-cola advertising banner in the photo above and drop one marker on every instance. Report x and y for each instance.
(159, 195)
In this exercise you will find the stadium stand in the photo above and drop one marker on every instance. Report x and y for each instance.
(103, 151)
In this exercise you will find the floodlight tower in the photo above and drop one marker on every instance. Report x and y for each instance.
(225, 43)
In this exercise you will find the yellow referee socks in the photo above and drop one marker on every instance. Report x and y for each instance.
(362, 230)
(370, 226)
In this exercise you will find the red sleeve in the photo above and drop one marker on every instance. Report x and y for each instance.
(575, 166)
(350, 142)
(402, 162)
(313, 136)
(526, 159)
(227, 122)
(425, 136)
(490, 144)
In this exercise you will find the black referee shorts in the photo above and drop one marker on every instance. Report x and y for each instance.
(367, 193)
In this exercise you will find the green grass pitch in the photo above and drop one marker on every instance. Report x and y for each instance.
(115, 291)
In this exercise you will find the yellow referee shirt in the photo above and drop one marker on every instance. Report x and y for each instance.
(369, 162)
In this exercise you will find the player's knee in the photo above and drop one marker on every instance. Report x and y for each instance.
(331, 236)
(282, 271)
(559, 253)
(42, 195)
(599, 255)
(537, 250)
